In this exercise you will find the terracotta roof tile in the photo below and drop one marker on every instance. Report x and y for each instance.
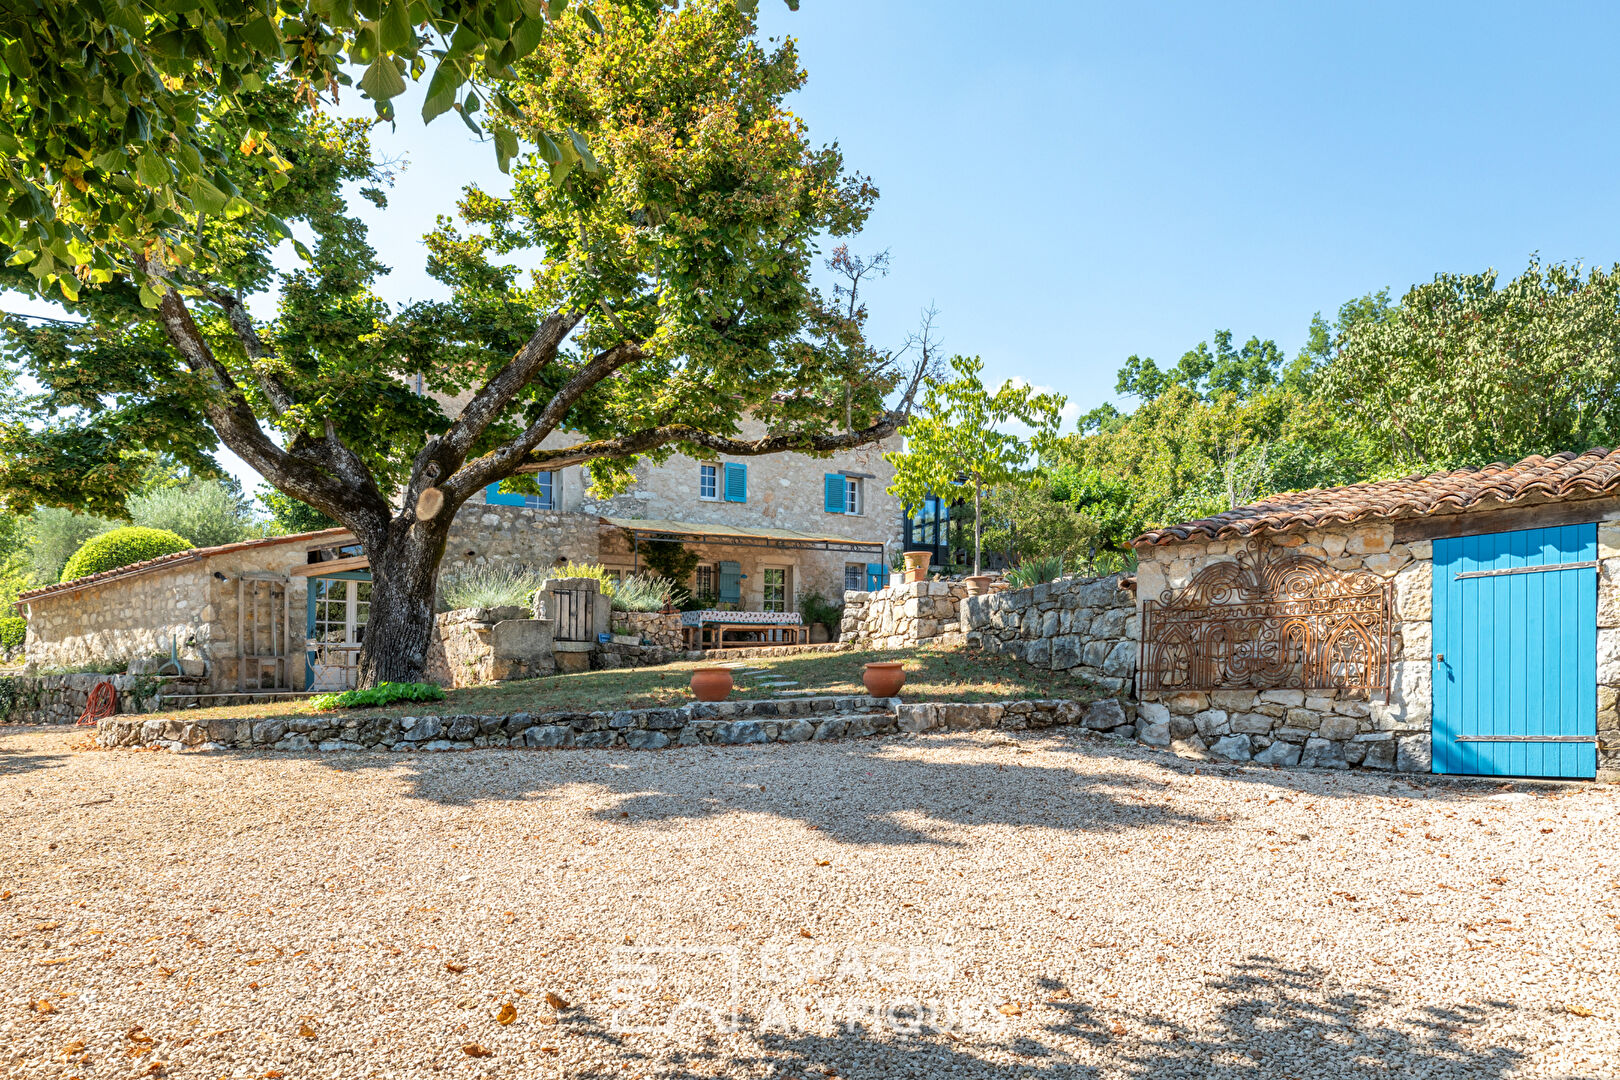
(1561, 476)
(161, 561)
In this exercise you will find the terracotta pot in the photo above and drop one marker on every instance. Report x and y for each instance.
(977, 584)
(711, 683)
(884, 679)
(917, 565)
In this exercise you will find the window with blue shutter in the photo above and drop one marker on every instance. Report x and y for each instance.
(835, 489)
(736, 482)
(545, 498)
(730, 582)
(494, 496)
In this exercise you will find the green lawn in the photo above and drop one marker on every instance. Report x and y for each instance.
(931, 675)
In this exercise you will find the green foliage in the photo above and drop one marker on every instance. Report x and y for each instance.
(646, 593)
(210, 512)
(1034, 520)
(121, 547)
(1035, 571)
(289, 515)
(53, 535)
(816, 608)
(584, 570)
(1468, 371)
(13, 632)
(487, 587)
(669, 559)
(954, 446)
(382, 694)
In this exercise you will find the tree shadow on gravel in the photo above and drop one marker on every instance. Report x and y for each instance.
(861, 794)
(16, 760)
(1272, 1020)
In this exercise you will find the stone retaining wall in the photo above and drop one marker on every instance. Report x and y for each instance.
(474, 646)
(1085, 626)
(901, 616)
(652, 627)
(60, 699)
(724, 722)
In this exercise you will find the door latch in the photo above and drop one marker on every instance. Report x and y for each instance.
(1439, 657)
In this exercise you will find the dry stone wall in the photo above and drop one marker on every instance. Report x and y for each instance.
(1085, 626)
(474, 646)
(60, 699)
(905, 615)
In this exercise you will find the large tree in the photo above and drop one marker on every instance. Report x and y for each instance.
(650, 301)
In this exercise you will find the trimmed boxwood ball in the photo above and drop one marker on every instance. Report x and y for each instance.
(121, 547)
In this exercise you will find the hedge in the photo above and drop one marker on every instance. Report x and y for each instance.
(13, 631)
(121, 547)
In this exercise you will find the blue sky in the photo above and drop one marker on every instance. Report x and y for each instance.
(1073, 183)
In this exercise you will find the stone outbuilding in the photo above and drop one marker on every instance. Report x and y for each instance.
(1466, 622)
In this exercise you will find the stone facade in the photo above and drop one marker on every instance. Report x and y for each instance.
(906, 615)
(1085, 626)
(699, 723)
(61, 699)
(653, 628)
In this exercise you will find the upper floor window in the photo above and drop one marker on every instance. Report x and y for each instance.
(545, 484)
(853, 502)
(844, 494)
(708, 481)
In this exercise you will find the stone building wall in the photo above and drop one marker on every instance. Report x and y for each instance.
(516, 536)
(900, 616)
(1321, 728)
(808, 571)
(1085, 626)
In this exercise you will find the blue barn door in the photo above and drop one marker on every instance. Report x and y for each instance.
(1515, 653)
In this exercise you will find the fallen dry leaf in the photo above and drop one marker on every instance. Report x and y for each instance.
(550, 1050)
(1010, 1008)
(154, 1069)
(1577, 1010)
(803, 932)
(43, 1006)
(555, 1001)
(6, 895)
(823, 862)
(454, 969)
(47, 926)
(135, 1034)
(474, 1050)
(306, 1031)
(507, 1014)
(1118, 1028)
(273, 1074)
(71, 1048)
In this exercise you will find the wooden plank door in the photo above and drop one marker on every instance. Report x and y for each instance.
(1515, 653)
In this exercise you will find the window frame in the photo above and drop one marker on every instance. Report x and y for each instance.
(859, 570)
(709, 471)
(854, 496)
(765, 587)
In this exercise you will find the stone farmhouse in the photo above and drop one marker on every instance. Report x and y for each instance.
(767, 530)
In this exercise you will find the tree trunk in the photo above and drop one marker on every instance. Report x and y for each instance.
(404, 585)
(976, 567)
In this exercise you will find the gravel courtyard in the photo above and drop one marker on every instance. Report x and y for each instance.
(1044, 905)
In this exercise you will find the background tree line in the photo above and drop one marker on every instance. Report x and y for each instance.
(1462, 370)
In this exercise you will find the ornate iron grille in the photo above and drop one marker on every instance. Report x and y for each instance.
(1272, 620)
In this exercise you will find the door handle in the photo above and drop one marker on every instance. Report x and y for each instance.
(1440, 657)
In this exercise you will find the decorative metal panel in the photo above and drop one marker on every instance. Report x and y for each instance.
(1272, 620)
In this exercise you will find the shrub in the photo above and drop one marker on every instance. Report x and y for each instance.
(53, 535)
(382, 694)
(486, 587)
(121, 547)
(668, 559)
(1035, 571)
(817, 609)
(13, 631)
(590, 570)
(208, 511)
(641, 593)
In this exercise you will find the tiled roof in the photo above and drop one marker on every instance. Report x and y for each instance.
(1561, 476)
(172, 559)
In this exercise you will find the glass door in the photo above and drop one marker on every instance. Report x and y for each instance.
(339, 607)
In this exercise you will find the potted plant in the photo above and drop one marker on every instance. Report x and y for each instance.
(977, 584)
(917, 565)
(897, 569)
(884, 678)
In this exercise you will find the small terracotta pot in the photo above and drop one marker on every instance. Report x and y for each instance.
(917, 565)
(977, 584)
(884, 679)
(711, 683)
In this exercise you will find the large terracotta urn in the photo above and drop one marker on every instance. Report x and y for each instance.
(711, 683)
(977, 584)
(884, 679)
(917, 565)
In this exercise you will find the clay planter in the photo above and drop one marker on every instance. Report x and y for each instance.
(917, 565)
(884, 679)
(977, 584)
(711, 683)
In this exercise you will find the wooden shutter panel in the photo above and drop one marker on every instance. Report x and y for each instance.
(730, 582)
(736, 482)
(876, 576)
(835, 488)
(494, 496)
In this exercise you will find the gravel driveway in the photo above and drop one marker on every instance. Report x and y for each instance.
(1045, 905)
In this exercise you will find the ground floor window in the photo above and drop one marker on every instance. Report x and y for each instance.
(854, 577)
(703, 587)
(342, 607)
(776, 590)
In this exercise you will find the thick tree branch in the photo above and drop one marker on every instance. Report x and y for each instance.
(498, 393)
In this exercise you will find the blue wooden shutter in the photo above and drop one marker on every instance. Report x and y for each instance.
(876, 576)
(730, 582)
(736, 482)
(835, 493)
(494, 496)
